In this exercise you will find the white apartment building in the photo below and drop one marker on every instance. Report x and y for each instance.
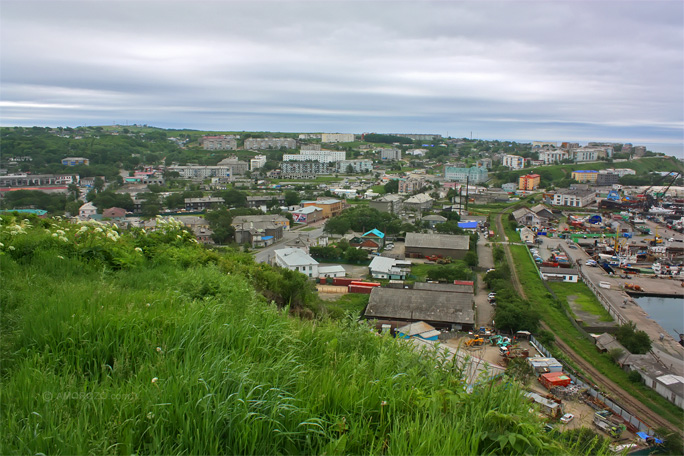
(196, 172)
(621, 172)
(220, 142)
(390, 154)
(513, 161)
(573, 198)
(323, 156)
(257, 162)
(358, 166)
(553, 156)
(337, 137)
(270, 143)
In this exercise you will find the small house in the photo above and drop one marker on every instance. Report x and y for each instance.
(419, 329)
(559, 274)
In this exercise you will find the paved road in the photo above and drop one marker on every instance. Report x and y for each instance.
(484, 311)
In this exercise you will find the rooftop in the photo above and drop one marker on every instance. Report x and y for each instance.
(295, 257)
(414, 305)
(438, 241)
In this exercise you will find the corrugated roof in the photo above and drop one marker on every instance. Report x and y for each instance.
(375, 232)
(295, 257)
(444, 287)
(418, 327)
(559, 271)
(437, 241)
(402, 304)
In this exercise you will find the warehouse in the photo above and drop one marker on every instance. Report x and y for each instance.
(446, 245)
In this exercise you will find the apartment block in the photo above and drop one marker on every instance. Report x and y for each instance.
(337, 137)
(75, 161)
(585, 175)
(238, 167)
(219, 142)
(473, 175)
(410, 185)
(196, 172)
(529, 182)
(270, 143)
(390, 154)
(322, 156)
(513, 161)
(357, 166)
(305, 169)
(553, 156)
(257, 162)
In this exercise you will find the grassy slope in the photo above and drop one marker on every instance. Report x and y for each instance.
(177, 353)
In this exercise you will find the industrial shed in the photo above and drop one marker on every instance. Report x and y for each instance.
(448, 287)
(443, 310)
(445, 245)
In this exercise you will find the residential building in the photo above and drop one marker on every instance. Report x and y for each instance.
(201, 204)
(550, 157)
(585, 175)
(390, 154)
(513, 161)
(310, 146)
(526, 217)
(448, 245)
(357, 166)
(86, 211)
(573, 198)
(417, 152)
(569, 145)
(270, 143)
(419, 203)
(257, 162)
(543, 144)
(527, 235)
(419, 136)
(484, 163)
(199, 173)
(639, 151)
(433, 220)
(410, 185)
(529, 182)
(605, 178)
(310, 136)
(255, 201)
(114, 213)
(389, 268)
(296, 259)
(586, 154)
(391, 203)
(330, 207)
(337, 137)
(218, 142)
(238, 167)
(32, 180)
(322, 156)
(441, 309)
(473, 175)
(305, 169)
(260, 233)
(509, 187)
(621, 172)
(307, 215)
(261, 221)
(75, 161)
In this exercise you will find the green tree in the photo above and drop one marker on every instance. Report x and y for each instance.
(636, 341)
(220, 224)
(98, 184)
(355, 255)
(392, 186)
(292, 198)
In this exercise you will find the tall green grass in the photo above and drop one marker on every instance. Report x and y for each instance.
(176, 355)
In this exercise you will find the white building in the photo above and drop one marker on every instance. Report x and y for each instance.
(257, 162)
(553, 156)
(389, 268)
(322, 156)
(573, 198)
(559, 274)
(86, 211)
(270, 143)
(296, 260)
(513, 161)
(337, 137)
(358, 166)
(196, 172)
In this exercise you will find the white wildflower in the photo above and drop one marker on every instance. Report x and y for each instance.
(178, 236)
(60, 232)
(63, 239)
(138, 249)
(150, 415)
(383, 403)
(11, 247)
(55, 235)
(1, 245)
(159, 349)
(98, 230)
(155, 380)
(60, 257)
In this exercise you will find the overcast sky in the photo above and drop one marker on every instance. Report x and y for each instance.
(536, 70)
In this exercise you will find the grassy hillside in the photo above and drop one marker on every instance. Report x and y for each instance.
(147, 343)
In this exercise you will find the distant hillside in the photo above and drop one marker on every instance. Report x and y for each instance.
(145, 343)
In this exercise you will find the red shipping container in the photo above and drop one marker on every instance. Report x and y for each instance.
(554, 379)
(463, 282)
(342, 281)
(360, 289)
(365, 284)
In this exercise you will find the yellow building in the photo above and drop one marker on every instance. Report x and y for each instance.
(330, 207)
(529, 182)
(585, 175)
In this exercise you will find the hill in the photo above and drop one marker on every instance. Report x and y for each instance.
(147, 343)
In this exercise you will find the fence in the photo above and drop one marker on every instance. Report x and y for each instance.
(612, 405)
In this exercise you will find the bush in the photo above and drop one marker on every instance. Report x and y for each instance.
(636, 342)
(635, 377)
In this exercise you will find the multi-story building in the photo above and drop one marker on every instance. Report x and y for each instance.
(261, 221)
(569, 146)
(513, 161)
(257, 162)
(296, 259)
(621, 172)
(390, 154)
(337, 137)
(75, 161)
(270, 143)
(639, 151)
(585, 175)
(410, 185)
(305, 169)
(200, 204)
(605, 178)
(391, 203)
(196, 172)
(357, 166)
(484, 163)
(238, 167)
(473, 175)
(553, 156)
(529, 182)
(323, 156)
(219, 142)
(31, 180)
(310, 147)
(330, 207)
(585, 154)
(418, 137)
(542, 144)
(264, 200)
(573, 198)
(310, 136)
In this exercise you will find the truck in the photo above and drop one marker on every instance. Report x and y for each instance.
(602, 422)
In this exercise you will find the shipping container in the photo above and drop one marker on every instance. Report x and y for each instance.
(342, 281)
(554, 379)
(365, 284)
(360, 289)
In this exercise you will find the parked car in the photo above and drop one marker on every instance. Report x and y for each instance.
(491, 295)
(565, 419)
(591, 263)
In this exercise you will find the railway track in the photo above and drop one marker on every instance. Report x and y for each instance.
(605, 385)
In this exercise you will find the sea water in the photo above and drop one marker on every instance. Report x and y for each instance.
(667, 312)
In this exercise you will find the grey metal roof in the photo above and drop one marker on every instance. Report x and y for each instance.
(444, 287)
(563, 271)
(437, 241)
(403, 304)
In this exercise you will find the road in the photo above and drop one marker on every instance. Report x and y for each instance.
(606, 385)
